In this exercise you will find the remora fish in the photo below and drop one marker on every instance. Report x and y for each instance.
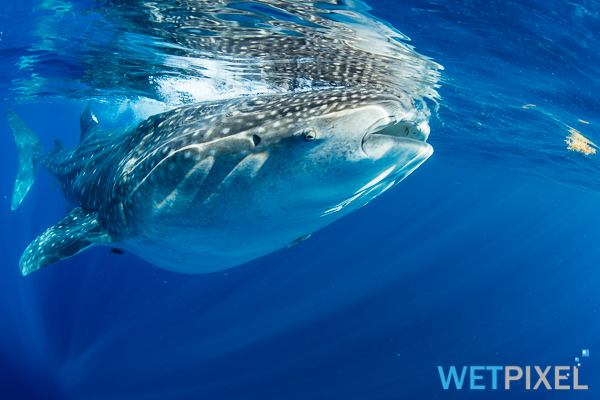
(209, 186)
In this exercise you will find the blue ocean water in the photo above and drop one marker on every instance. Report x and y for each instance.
(486, 256)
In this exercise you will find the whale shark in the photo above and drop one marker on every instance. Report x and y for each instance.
(209, 186)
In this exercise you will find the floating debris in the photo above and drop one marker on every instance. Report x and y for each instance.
(528, 106)
(583, 122)
(578, 142)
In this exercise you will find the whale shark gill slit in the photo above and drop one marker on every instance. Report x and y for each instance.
(186, 190)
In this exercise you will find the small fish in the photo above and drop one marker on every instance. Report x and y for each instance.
(300, 239)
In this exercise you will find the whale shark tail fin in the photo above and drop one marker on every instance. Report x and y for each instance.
(29, 149)
(76, 232)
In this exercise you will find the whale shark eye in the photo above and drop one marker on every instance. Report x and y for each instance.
(256, 139)
(309, 135)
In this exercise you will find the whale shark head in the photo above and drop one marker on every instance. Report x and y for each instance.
(239, 179)
(349, 148)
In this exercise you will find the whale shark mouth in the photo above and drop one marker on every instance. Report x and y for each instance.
(389, 130)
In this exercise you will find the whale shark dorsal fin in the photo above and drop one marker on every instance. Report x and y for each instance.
(58, 146)
(74, 233)
(88, 123)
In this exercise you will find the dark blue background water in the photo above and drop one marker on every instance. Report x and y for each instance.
(487, 255)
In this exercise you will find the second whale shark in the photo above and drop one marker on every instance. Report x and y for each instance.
(209, 186)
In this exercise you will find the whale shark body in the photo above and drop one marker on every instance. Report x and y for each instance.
(209, 186)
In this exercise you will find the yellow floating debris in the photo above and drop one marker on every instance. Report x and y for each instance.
(528, 106)
(582, 121)
(578, 142)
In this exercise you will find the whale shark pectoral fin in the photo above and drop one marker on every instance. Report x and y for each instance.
(76, 232)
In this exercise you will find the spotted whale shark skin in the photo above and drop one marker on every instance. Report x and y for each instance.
(210, 186)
